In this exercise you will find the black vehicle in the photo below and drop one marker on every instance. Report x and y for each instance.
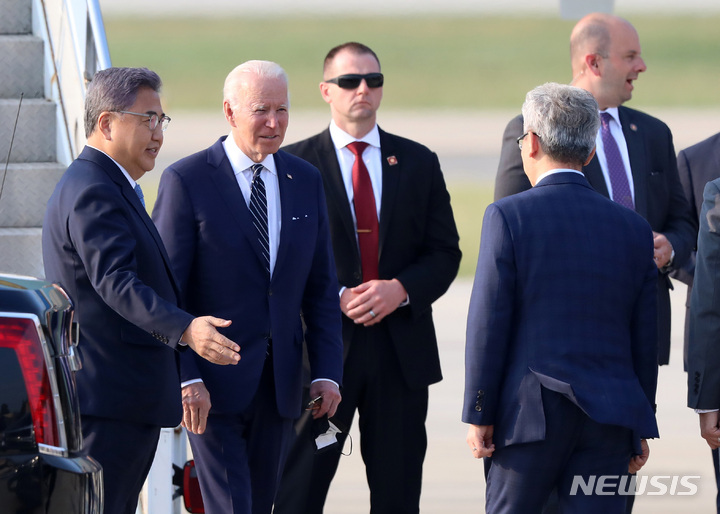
(42, 469)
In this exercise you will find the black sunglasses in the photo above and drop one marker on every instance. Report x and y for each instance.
(353, 80)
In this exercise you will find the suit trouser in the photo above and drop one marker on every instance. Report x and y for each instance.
(125, 451)
(239, 457)
(522, 476)
(392, 433)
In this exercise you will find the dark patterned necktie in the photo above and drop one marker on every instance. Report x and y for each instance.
(138, 191)
(616, 168)
(365, 213)
(258, 209)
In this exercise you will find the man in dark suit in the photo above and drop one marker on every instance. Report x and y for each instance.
(396, 252)
(100, 244)
(605, 54)
(698, 165)
(246, 229)
(561, 339)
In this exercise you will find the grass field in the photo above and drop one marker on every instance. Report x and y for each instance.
(470, 63)
(457, 64)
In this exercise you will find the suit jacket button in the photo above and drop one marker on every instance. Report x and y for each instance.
(269, 292)
(478, 408)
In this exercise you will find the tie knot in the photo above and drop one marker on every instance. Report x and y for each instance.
(256, 169)
(357, 147)
(605, 118)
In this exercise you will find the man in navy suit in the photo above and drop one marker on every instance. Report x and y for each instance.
(386, 291)
(698, 165)
(100, 244)
(561, 365)
(246, 228)
(605, 59)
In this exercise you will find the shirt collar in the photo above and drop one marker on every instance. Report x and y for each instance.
(614, 112)
(341, 139)
(124, 172)
(240, 162)
(553, 172)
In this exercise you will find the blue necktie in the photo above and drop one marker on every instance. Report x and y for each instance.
(616, 169)
(138, 191)
(258, 209)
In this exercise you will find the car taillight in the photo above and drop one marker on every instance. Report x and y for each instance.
(21, 335)
(191, 489)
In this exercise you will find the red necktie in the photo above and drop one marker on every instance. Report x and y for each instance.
(365, 213)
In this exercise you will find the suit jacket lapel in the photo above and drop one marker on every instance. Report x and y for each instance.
(223, 175)
(287, 206)
(391, 174)
(336, 194)
(636, 154)
(132, 198)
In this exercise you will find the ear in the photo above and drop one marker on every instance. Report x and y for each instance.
(325, 92)
(590, 157)
(229, 113)
(592, 62)
(533, 142)
(104, 125)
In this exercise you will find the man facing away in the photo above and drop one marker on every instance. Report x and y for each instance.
(396, 252)
(100, 244)
(246, 228)
(635, 161)
(561, 365)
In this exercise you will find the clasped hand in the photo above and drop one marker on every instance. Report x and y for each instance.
(370, 302)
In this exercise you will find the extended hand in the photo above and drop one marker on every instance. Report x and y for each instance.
(370, 302)
(202, 336)
(196, 405)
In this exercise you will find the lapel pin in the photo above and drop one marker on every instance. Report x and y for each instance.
(288, 176)
(633, 127)
(392, 160)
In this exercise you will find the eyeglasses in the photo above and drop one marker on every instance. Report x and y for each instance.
(520, 139)
(154, 119)
(353, 80)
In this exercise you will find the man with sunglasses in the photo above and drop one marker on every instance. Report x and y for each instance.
(396, 252)
(100, 244)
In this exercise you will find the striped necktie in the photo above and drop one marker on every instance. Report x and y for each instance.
(258, 209)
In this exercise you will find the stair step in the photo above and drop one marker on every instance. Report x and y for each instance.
(21, 62)
(16, 17)
(28, 187)
(21, 251)
(35, 139)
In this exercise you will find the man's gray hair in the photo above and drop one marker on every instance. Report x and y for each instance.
(116, 89)
(263, 69)
(566, 120)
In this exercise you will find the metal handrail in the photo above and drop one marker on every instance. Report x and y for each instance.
(97, 28)
(77, 48)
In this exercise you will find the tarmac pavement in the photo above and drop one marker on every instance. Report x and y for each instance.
(453, 480)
